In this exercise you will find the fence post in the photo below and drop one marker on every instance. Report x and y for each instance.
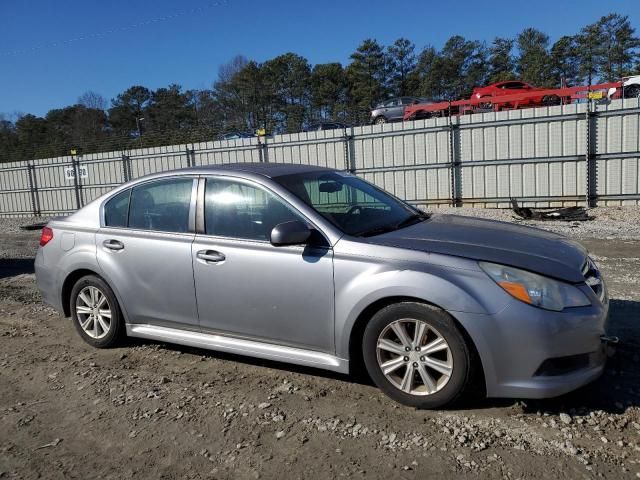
(262, 149)
(77, 185)
(192, 152)
(126, 168)
(349, 154)
(591, 191)
(33, 190)
(191, 156)
(454, 160)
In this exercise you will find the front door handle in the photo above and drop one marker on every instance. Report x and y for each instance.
(210, 256)
(114, 245)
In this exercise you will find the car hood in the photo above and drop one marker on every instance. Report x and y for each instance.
(528, 248)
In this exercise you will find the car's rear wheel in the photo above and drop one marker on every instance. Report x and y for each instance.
(95, 312)
(380, 120)
(416, 355)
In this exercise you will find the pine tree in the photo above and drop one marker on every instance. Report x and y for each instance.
(565, 62)
(590, 52)
(501, 61)
(619, 46)
(533, 63)
(401, 61)
(366, 75)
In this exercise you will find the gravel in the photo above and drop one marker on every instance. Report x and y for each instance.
(165, 411)
(609, 222)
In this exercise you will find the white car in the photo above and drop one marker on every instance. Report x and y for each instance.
(630, 87)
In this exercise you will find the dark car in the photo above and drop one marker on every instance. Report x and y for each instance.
(235, 135)
(392, 110)
(314, 127)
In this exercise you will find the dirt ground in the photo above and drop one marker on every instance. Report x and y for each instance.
(150, 410)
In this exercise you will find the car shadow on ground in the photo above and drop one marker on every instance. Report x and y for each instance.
(616, 390)
(10, 267)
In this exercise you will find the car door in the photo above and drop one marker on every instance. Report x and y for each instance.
(144, 250)
(249, 288)
(394, 109)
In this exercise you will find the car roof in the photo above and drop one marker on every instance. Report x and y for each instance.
(270, 170)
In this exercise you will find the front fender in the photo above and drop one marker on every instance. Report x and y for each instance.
(360, 284)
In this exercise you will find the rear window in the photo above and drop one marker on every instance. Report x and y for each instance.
(117, 209)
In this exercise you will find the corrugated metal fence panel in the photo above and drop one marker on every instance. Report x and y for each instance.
(227, 151)
(104, 172)
(409, 160)
(157, 159)
(537, 155)
(14, 189)
(522, 154)
(618, 138)
(324, 148)
(56, 192)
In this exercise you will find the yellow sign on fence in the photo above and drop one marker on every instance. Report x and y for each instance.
(595, 95)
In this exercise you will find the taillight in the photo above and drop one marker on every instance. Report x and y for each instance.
(46, 236)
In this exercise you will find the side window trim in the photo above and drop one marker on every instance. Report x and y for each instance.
(192, 206)
(200, 217)
(128, 208)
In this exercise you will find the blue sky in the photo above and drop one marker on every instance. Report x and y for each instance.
(188, 48)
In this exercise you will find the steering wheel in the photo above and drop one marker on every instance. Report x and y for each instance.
(353, 209)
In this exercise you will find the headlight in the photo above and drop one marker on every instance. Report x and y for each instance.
(535, 289)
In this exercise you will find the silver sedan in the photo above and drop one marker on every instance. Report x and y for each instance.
(317, 267)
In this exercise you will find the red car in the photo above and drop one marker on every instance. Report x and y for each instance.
(515, 86)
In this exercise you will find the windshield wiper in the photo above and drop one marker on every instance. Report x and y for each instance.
(412, 219)
(376, 231)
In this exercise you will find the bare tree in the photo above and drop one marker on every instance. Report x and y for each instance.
(228, 70)
(91, 99)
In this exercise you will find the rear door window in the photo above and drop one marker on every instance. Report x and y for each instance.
(161, 206)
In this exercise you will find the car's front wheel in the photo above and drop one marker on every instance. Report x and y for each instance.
(380, 120)
(95, 312)
(632, 91)
(416, 355)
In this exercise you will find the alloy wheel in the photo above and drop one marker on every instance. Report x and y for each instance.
(93, 312)
(414, 357)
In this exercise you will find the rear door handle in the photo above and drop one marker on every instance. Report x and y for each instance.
(210, 256)
(114, 245)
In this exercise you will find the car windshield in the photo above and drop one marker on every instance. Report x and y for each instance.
(353, 205)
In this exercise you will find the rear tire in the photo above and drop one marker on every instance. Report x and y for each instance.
(95, 312)
(416, 355)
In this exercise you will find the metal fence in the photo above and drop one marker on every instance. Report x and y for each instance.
(552, 156)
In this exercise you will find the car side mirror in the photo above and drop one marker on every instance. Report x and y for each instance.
(290, 233)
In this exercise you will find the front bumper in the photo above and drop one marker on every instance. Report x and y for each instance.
(521, 346)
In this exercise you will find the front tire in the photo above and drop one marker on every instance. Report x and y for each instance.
(551, 100)
(632, 91)
(380, 120)
(416, 355)
(95, 312)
